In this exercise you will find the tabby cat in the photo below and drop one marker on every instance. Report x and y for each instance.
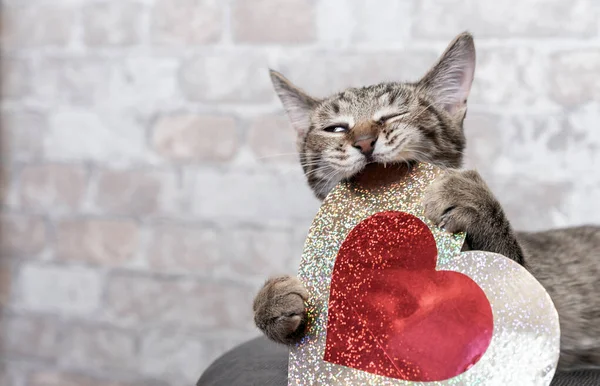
(423, 121)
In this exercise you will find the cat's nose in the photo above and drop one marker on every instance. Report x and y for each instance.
(365, 145)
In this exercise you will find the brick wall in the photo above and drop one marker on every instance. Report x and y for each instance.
(144, 194)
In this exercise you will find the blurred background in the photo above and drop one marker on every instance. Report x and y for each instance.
(148, 180)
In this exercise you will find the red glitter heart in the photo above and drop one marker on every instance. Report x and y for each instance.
(392, 314)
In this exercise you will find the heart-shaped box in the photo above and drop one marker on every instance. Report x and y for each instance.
(394, 301)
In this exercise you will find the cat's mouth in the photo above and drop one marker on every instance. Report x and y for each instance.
(375, 169)
(383, 165)
(377, 174)
(404, 158)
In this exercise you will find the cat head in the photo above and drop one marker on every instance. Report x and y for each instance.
(384, 123)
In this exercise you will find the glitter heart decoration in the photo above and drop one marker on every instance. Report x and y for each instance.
(392, 313)
(416, 310)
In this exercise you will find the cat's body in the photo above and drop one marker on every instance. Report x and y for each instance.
(567, 263)
(408, 122)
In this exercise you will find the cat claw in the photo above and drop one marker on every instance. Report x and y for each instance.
(443, 223)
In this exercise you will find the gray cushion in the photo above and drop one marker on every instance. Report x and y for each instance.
(260, 362)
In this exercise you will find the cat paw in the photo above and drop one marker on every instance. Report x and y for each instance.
(459, 201)
(279, 309)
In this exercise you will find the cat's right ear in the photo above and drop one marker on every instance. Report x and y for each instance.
(449, 81)
(296, 102)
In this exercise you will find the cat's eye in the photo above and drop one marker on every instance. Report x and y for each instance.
(391, 117)
(336, 129)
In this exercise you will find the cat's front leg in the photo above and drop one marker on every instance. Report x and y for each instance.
(460, 201)
(279, 310)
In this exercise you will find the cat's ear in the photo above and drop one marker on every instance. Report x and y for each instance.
(296, 102)
(449, 80)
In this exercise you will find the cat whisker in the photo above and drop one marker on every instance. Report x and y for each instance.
(284, 155)
(311, 163)
(316, 170)
(329, 179)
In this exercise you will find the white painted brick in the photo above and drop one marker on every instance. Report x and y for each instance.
(37, 26)
(22, 134)
(349, 22)
(527, 18)
(172, 354)
(325, 73)
(30, 336)
(115, 23)
(63, 289)
(186, 22)
(78, 81)
(133, 82)
(52, 188)
(512, 77)
(239, 77)
(239, 195)
(255, 22)
(93, 347)
(189, 137)
(84, 135)
(146, 301)
(144, 83)
(16, 75)
(574, 77)
(257, 253)
(136, 192)
(273, 140)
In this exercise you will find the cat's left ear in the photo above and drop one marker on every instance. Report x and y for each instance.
(450, 79)
(297, 103)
